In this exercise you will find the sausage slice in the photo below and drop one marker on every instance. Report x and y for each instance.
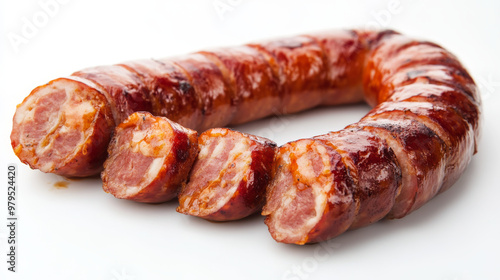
(230, 176)
(149, 158)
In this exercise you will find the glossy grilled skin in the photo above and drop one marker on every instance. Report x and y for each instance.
(229, 178)
(427, 115)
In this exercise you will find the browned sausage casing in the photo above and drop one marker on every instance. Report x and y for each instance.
(63, 127)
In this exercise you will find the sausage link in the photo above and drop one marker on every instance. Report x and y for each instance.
(415, 142)
(208, 89)
(427, 113)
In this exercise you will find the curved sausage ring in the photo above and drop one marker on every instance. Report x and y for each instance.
(415, 142)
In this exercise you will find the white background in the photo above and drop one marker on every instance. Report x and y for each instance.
(80, 232)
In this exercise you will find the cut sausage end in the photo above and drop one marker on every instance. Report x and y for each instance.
(149, 158)
(229, 179)
(63, 127)
(309, 204)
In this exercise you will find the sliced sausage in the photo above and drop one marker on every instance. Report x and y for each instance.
(62, 127)
(229, 178)
(149, 159)
(415, 143)
(310, 199)
(426, 115)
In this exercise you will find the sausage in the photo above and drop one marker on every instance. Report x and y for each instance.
(211, 88)
(374, 170)
(200, 91)
(63, 127)
(415, 143)
(169, 90)
(252, 80)
(335, 181)
(229, 178)
(149, 158)
(313, 204)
